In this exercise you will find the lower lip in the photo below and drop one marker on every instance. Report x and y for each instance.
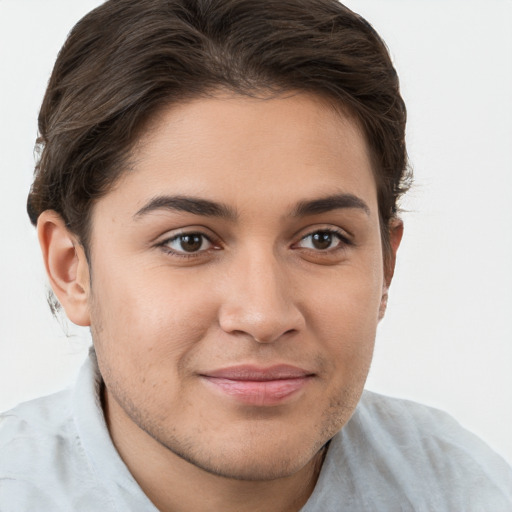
(260, 393)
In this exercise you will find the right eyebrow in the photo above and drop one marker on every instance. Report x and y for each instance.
(189, 204)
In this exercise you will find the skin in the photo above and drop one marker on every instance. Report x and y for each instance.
(253, 287)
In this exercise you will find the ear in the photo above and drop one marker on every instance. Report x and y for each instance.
(66, 266)
(396, 231)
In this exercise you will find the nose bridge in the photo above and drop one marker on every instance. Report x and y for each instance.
(258, 300)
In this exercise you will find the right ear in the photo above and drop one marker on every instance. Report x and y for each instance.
(66, 266)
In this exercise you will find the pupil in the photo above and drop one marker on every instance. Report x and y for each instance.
(191, 243)
(322, 240)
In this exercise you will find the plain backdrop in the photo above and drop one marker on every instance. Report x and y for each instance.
(447, 338)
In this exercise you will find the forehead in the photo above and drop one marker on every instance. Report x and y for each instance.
(250, 153)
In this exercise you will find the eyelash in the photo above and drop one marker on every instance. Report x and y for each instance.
(342, 239)
(165, 245)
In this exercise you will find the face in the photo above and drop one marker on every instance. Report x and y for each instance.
(237, 276)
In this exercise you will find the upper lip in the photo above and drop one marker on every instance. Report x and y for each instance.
(257, 373)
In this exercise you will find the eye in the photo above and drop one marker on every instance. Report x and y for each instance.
(323, 240)
(188, 243)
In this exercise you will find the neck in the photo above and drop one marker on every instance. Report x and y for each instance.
(174, 484)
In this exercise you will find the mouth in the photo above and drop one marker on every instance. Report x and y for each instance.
(257, 386)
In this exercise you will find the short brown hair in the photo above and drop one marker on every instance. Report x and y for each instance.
(127, 59)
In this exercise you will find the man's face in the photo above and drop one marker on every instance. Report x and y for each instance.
(236, 282)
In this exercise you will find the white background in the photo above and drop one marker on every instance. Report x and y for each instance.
(447, 337)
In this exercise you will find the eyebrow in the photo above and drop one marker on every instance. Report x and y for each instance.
(207, 208)
(329, 203)
(189, 204)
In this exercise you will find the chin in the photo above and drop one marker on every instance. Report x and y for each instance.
(251, 464)
(253, 454)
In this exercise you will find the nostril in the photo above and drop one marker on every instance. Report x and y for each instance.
(273, 337)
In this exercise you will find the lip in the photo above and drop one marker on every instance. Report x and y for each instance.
(259, 386)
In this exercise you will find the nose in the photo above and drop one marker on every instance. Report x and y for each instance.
(259, 300)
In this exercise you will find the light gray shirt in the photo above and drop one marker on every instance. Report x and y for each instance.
(56, 455)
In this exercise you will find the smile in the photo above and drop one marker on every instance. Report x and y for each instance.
(259, 386)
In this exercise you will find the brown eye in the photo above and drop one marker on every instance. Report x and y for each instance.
(322, 240)
(188, 243)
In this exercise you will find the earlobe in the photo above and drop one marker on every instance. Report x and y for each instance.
(396, 231)
(66, 266)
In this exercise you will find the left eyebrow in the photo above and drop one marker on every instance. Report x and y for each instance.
(329, 203)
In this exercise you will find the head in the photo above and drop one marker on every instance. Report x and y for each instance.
(217, 188)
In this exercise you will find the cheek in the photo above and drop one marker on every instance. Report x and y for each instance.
(350, 297)
(142, 319)
(345, 314)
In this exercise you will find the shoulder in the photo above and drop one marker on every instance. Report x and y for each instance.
(40, 453)
(408, 418)
(33, 427)
(425, 429)
(408, 456)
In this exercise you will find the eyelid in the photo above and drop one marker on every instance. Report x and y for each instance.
(195, 229)
(179, 238)
(329, 256)
(173, 235)
(339, 241)
(342, 234)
